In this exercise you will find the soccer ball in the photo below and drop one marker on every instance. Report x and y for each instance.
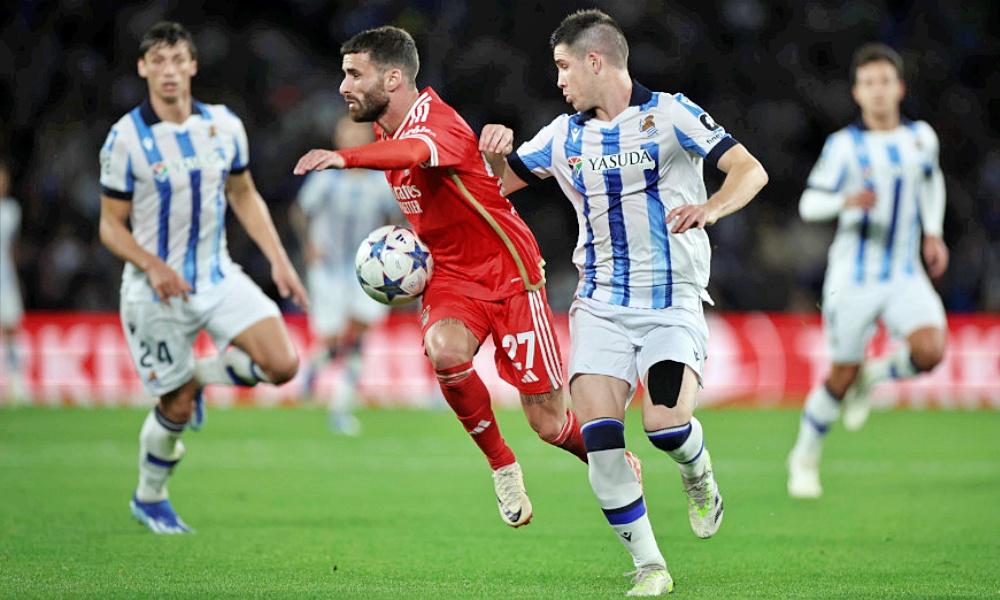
(393, 265)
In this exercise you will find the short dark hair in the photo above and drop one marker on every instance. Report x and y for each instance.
(386, 46)
(874, 52)
(592, 29)
(169, 33)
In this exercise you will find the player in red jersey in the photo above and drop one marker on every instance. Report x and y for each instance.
(488, 277)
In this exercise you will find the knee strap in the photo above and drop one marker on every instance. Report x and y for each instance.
(664, 383)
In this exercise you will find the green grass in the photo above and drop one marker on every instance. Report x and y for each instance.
(282, 508)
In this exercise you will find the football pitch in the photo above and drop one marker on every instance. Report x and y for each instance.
(282, 508)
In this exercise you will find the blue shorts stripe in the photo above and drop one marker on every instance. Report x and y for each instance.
(630, 513)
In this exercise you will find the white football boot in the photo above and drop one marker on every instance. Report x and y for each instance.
(705, 508)
(803, 476)
(652, 580)
(512, 500)
(857, 401)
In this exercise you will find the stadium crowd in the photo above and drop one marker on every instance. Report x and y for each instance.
(773, 73)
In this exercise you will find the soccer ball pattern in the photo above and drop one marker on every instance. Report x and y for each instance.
(393, 265)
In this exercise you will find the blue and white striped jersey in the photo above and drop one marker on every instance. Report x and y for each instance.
(342, 208)
(623, 177)
(175, 177)
(900, 166)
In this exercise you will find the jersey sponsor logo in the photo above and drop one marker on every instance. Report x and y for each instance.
(406, 192)
(648, 126)
(160, 171)
(410, 207)
(621, 160)
(709, 123)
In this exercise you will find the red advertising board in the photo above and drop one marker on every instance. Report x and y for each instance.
(761, 359)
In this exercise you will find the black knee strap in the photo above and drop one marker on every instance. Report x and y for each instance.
(664, 383)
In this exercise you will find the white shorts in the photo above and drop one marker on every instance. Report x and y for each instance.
(850, 312)
(161, 337)
(624, 342)
(336, 296)
(11, 309)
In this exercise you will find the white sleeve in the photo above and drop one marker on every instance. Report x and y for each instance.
(697, 132)
(932, 194)
(117, 178)
(241, 157)
(533, 159)
(824, 198)
(312, 193)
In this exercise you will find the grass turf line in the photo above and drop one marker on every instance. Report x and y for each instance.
(283, 508)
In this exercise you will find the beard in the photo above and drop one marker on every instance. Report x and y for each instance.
(371, 108)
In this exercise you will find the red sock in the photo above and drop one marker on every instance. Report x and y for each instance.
(469, 398)
(570, 438)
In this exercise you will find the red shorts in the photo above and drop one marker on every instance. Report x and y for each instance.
(527, 351)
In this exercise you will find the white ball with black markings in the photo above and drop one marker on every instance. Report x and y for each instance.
(393, 265)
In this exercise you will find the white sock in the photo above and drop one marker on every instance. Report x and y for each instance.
(230, 367)
(320, 357)
(820, 412)
(343, 398)
(618, 491)
(897, 365)
(690, 456)
(160, 448)
(10, 355)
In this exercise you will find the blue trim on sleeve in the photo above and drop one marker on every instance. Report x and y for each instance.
(116, 194)
(719, 149)
(522, 171)
(687, 143)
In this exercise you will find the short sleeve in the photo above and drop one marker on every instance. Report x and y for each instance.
(444, 132)
(241, 156)
(117, 177)
(312, 192)
(829, 174)
(533, 159)
(697, 132)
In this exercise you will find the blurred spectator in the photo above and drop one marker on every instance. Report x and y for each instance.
(774, 73)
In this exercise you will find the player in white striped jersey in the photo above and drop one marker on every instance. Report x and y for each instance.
(630, 160)
(880, 179)
(336, 209)
(169, 169)
(11, 308)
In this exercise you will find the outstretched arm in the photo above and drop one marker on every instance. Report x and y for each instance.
(252, 213)
(745, 176)
(385, 155)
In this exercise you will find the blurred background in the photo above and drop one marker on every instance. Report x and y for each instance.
(775, 74)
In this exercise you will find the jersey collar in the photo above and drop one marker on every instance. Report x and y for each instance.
(860, 123)
(150, 117)
(640, 95)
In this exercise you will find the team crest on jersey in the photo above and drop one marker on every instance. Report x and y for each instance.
(160, 171)
(575, 163)
(648, 126)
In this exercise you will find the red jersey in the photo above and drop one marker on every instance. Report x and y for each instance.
(480, 245)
